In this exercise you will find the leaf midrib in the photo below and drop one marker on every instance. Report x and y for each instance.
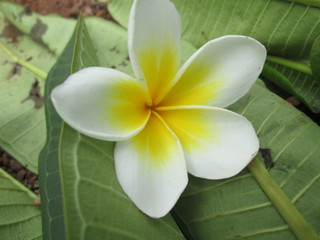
(32, 68)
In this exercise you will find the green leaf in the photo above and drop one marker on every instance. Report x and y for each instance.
(19, 218)
(84, 54)
(315, 3)
(51, 195)
(49, 175)
(297, 83)
(24, 64)
(287, 29)
(315, 59)
(109, 42)
(29, 46)
(28, 54)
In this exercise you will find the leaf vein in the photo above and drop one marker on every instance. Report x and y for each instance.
(240, 210)
(294, 28)
(279, 23)
(293, 139)
(304, 190)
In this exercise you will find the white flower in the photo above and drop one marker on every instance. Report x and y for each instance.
(167, 121)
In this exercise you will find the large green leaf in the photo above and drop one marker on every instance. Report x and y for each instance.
(29, 46)
(295, 82)
(315, 59)
(20, 218)
(94, 205)
(287, 29)
(24, 64)
(49, 175)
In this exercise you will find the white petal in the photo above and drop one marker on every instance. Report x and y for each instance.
(102, 103)
(154, 43)
(217, 143)
(151, 168)
(219, 73)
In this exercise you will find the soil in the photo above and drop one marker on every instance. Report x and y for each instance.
(68, 9)
(19, 172)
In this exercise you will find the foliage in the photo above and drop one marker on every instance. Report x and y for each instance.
(77, 173)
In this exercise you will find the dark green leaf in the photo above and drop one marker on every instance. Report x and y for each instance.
(50, 185)
(70, 61)
(297, 83)
(315, 59)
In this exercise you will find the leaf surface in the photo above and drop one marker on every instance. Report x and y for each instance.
(20, 218)
(24, 64)
(303, 86)
(315, 59)
(49, 172)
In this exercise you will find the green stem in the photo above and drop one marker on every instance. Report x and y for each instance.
(291, 64)
(30, 67)
(297, 223)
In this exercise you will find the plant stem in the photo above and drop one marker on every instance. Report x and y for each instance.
(30, 67)
(297, 223)
(291, 64)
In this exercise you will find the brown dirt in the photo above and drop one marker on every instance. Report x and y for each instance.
(19, 172)
(68, 8)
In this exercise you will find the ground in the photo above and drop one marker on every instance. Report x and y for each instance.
(67, 8)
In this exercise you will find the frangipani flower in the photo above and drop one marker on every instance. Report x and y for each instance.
(167, 121)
